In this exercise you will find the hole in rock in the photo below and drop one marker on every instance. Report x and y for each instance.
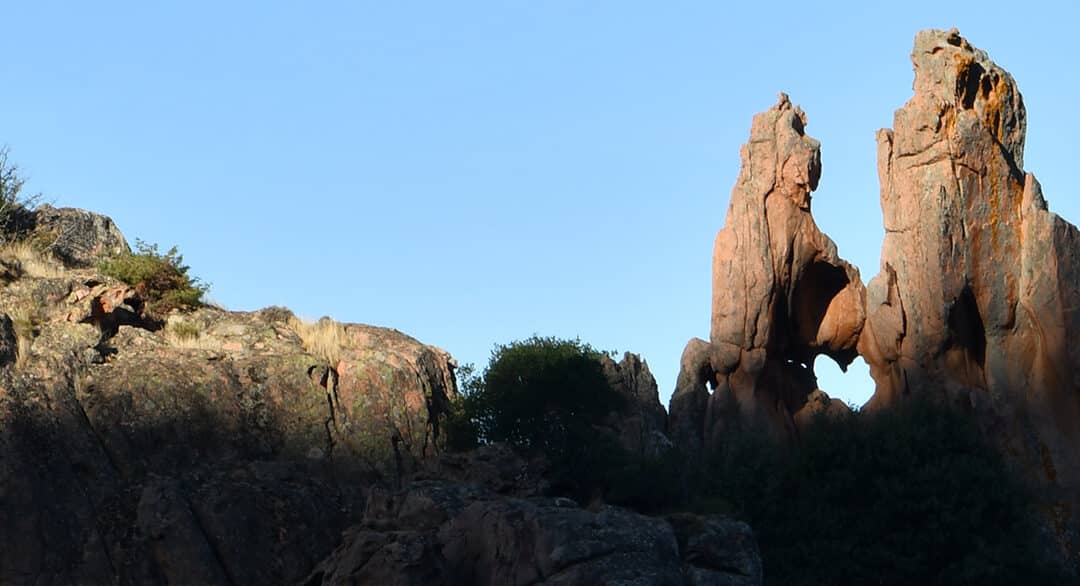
(817, 287)
(965, 354)
(854, 387)
(967, 84)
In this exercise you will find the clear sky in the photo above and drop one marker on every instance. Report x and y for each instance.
(472, 173)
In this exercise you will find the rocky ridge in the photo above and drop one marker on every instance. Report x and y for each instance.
(218, 447)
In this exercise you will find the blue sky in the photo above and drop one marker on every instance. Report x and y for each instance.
(472, 173)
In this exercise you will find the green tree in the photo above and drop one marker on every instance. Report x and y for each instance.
(544, 397)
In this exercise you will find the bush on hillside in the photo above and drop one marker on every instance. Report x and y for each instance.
(544, 397)
(16, 207)
(162, 279)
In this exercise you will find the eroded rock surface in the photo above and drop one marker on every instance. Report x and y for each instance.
(979, 291)
(641, 423)
(781, 294)
(214, 448)
(78, 238)
(439, 533)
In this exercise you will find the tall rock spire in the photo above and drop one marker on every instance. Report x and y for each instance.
(978, 298)
(781, 293)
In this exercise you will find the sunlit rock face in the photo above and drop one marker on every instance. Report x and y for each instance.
(781, 295)
(978, 298)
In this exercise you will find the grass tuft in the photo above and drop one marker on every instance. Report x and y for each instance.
(324, 338)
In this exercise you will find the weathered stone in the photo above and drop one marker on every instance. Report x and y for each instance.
(717, 550)
(641, 423)
(819, 404)
(168, 459)
(471, 535)
(979, 291)
(781, 294)
(391, 386)
(529, 541)
(77, 238)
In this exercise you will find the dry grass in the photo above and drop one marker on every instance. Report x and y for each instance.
(25, 320)
(185, 334)
(323, 338)
(34, 262)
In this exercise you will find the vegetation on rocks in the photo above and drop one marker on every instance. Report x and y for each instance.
(915, 495)
(161, 279)
(544, 397)
(16, 206)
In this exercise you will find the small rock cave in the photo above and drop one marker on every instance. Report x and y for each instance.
(965, 349)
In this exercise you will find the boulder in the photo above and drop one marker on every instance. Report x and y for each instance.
(392, 394)
(781, 294)
(77, 238)
(978, 297)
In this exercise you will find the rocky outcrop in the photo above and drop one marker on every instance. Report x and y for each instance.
(978, 298)
(641, 422)
(77, 238)
(781, 294)
(438, 533)
(392, 392)
(214, 448)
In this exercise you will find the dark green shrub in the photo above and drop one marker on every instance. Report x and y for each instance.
(161, 279)
(915, 495)
(544, 397)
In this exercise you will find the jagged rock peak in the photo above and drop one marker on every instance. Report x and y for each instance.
(781, 293)
(977, 301)
(951, 72)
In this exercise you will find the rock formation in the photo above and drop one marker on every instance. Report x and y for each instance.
(77, 238)
(640, 424)
(216, 447)
(781, 294)
(977, 303)
(436, 533)
(979, 291)
(234, 454)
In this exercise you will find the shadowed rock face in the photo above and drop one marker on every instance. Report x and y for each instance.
(130, 456)
(781, 293)
(979, 289)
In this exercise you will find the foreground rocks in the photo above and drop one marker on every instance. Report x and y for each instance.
(781, 294)
(217, 448)
(435, 533)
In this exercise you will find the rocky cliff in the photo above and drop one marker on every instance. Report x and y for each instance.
(976, 305)
(979, 291)
(218, 447)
